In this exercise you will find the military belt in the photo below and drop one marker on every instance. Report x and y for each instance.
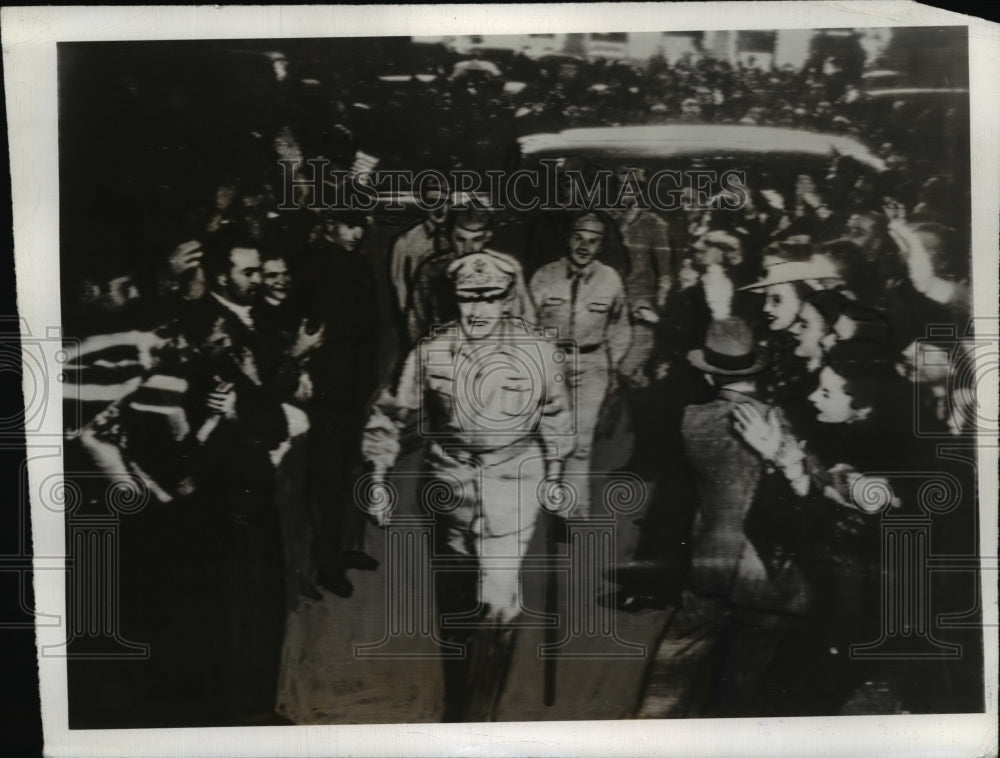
(571, 346)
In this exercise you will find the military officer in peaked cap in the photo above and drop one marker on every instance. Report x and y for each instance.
(493, 409)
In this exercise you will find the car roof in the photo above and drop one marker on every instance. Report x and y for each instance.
(902, 93)
(663, 141)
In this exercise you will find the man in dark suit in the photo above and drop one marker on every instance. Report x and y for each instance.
(233, 366)
(732, 605)
(691, 306)
(338, 288)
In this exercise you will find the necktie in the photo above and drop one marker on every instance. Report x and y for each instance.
(574, 288)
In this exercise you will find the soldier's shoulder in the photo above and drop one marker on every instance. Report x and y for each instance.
(406, 235)
(552, 267)
(549, 272)
(440, 335)
(608, 274)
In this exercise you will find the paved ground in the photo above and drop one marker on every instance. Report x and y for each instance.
(326, 679)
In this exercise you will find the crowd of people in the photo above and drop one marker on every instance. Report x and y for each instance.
(783, 390)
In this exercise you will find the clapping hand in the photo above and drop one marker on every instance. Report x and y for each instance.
(306, 341)
(222, 400)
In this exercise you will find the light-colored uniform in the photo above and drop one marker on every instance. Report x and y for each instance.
(589, 309)
(492, 411)
(409, 250)
(646, 238)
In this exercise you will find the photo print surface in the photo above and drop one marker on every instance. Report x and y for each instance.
(456, 379)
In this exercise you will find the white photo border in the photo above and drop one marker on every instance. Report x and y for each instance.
(29, 48)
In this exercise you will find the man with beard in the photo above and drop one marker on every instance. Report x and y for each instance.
(240, 566)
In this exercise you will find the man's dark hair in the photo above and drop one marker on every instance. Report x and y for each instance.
(469, 217)
(218, 249)
(595, 215)
(867, 371)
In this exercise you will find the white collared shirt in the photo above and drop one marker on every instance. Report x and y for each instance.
(242, 311)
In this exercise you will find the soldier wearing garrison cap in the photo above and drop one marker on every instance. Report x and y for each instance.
(585, 301)
(492, 405)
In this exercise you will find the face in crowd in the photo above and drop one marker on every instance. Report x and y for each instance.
(479, 317)
(439, 215)
(781, 306)
(810, 330)
(243, 281)
(705, 254)
(348, 236)
(468, 237)
(277, 280)
(585, 241)
(435, 201)
(863, 231)
(831, 400)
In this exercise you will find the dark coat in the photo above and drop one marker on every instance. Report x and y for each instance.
(225, 349)
(338, 291)
(727, 474)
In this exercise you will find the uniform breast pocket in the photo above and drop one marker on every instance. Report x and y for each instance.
(515, 396)
(552, 303)
(599, 306)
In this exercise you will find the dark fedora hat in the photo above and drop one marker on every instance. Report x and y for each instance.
(729, 350)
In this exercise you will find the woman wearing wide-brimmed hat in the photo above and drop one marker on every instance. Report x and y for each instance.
(785, 286)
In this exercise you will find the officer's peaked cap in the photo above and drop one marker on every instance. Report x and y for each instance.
(481, 276)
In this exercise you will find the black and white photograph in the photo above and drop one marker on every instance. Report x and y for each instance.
(639, 378)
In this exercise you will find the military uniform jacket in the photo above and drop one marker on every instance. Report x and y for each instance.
(590, 311)
(483, 407)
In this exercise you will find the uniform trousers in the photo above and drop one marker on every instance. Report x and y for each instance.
(589, 381)
(486, 507)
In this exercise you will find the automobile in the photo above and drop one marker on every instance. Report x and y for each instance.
(765, 157)
(917, 94)
(669, 143)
